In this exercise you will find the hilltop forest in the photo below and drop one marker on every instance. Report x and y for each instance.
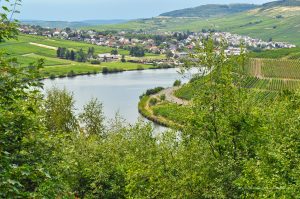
(227, 147)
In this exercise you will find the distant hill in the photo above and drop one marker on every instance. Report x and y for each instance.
(288, 3)
(74, 24)
(210, 10)
(277, 20)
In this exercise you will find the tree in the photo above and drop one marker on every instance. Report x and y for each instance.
(72, 55)
(92, 118)
(123, 59)
(91, 52)
(114, 52)
(137, 51)
(68, 54)
(58, 52)
(169, 54)
(61, 52)
(81, 56)
(8, 26)
(59, 111)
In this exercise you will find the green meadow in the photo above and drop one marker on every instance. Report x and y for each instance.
(27, 53)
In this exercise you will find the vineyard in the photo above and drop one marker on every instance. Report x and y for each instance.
(274, 68)
(271, 84)
(272, 75)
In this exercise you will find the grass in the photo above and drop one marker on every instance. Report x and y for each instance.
(53, 66)
(67, 44)
(173, 112)
(288, 53)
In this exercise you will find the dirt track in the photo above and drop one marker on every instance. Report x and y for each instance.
(169, 92)
(43, 46)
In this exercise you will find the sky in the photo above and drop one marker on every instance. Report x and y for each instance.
(77, 10)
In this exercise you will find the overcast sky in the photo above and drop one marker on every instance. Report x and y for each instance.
(73, 10)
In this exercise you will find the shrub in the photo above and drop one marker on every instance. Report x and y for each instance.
(177, 83)
(52, 76)
(71, 74)
(62, 76)
(140, 68)
(153, 101)
(154, 91)
(105, 70)
(95, 62)
(163, 97)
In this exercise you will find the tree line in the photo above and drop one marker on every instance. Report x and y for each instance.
(79, 56)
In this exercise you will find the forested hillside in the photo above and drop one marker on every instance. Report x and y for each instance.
(210, 10)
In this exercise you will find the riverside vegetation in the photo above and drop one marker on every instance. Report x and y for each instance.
(228, 148)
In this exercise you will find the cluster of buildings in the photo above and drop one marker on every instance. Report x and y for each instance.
(168, 42)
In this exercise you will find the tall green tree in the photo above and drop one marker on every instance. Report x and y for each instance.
(92, 118)
(59, 111)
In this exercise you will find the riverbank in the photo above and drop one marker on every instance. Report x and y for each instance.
(146, 111)
(105, 68)
(165, 96)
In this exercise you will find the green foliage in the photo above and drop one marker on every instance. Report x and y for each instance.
(123, 60)
(177, 83)
(106, 70)
(291, 53)
(153, 91)
(8, 26)
(163, 97)
(114, 52)
(172, 112)
(92, 118)
(19, 127)
(59, 111)
(96, 62)
(137, 51)
(153, 101)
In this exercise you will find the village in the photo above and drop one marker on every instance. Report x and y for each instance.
(172, 44)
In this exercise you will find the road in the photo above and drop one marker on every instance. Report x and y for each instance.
(169, 93)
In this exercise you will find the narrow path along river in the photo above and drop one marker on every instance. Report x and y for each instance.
(118, 92)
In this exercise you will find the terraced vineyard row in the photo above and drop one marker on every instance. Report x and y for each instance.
(271, 84)
(283, 68)
(262, 96)
(274, 68)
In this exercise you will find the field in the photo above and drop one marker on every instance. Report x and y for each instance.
(28, 49)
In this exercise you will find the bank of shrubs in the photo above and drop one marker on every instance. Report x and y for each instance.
(106, 70)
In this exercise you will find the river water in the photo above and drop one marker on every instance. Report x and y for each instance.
(118, 92)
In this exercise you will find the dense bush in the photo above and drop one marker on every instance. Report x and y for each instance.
(177, 83)
(106, 70)
(154, 91)
(153, 101)
(140, 68)
(95, 62)
(71, 74)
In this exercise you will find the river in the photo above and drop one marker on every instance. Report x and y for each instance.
(118, 92)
